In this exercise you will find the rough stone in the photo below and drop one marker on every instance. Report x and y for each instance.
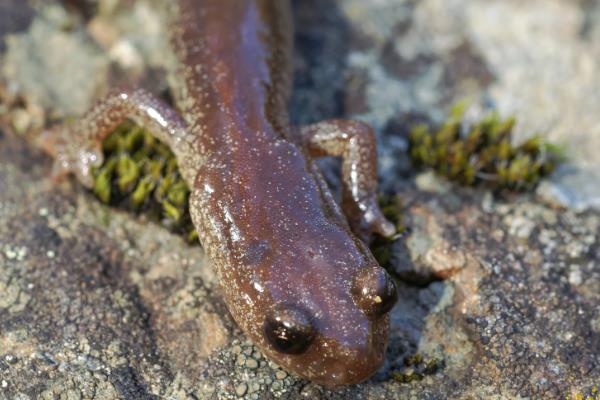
(498, 295)
(48, 43)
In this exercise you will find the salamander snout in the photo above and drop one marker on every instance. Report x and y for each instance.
(289, 329)
(374, 291)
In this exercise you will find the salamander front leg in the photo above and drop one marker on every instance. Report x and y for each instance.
(77, 147)
(354, 141)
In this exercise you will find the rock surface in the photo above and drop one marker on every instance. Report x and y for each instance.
(499, 296)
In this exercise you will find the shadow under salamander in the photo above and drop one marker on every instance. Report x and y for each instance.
(323, 40)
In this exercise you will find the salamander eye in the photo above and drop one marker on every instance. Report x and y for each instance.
(374, 291)
(289, 330)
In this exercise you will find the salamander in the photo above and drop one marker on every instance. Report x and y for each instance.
(295, 268)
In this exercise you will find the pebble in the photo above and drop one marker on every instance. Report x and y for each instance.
(254, 387)
(18, 253)
(10, 253)
(21, 121)
(251, 363)
(280, 375)
(520, 226)
(241, 389)
(310, 391)
(10, 359)
(430, 182)
(487, 202)
(575, 278)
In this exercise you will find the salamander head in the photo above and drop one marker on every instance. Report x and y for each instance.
(328, 321)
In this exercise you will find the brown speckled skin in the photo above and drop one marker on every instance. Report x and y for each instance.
(261, 208)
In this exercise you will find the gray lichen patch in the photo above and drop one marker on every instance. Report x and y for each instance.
(14, 298)
(47, 41)
(124, 309)
(71, 337)
(241, 371)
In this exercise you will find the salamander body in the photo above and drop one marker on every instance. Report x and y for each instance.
(296, 273)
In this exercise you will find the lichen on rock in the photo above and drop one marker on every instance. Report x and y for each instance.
(500, 291)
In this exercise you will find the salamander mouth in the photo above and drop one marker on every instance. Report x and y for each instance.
(338, 365)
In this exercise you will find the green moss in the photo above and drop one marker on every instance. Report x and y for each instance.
(417, 368)
(407, 377)
(391, 206)
(140, 174)
(413, 360)
(483, 153)
(592, 394)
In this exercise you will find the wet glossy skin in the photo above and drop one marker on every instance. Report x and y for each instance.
(296, 277)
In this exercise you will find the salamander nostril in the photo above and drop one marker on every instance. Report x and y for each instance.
(374, 291)
(289, 330)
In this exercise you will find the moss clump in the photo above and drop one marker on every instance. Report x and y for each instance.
(417, 368)
(391, 206)
(140, 174)
(484, 153)
(592, 394)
